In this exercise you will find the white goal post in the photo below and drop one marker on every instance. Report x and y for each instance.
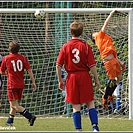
(128, 11)
(130, 58)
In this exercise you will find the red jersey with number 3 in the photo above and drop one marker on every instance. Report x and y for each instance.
(76, 55)
(77, 58)
(15, 64)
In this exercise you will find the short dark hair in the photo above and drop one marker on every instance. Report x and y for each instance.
(76, 29)
(14, 47)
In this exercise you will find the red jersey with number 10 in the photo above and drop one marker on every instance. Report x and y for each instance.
(76, 55)
(15, 64)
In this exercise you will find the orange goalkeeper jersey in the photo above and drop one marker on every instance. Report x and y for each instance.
(105, 44)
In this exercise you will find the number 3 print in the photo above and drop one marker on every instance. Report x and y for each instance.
(75, 51)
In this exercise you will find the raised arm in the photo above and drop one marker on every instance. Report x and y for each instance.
(108, 20)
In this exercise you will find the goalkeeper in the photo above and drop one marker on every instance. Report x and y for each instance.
(77, 58)
(13, 65)
(109, 57)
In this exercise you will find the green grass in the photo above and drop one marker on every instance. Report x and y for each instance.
(66, 124)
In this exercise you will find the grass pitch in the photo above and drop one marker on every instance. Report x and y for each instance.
(66, 125)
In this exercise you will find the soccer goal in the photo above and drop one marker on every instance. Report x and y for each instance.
(40, 41)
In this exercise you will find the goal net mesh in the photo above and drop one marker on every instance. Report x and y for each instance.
(41, 40)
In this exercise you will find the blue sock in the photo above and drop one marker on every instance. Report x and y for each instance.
(77, 120)
(26, 114)
(118, 103)
(10, 119)
(93, 116)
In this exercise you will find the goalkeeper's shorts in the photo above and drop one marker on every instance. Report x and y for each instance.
(113, 68)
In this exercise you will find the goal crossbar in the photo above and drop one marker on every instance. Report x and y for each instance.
(62, 10)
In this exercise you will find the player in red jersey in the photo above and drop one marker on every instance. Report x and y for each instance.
(78, 60)
(111, 62)
(13, 65)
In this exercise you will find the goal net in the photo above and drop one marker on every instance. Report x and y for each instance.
(41, 40)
